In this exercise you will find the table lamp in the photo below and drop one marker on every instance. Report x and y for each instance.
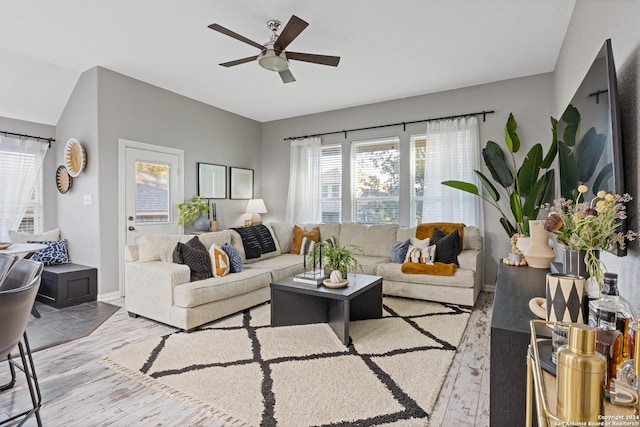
(256, 207)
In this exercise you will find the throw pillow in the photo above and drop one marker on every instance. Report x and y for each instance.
(420, 243)
(399, 251)
(195, 255)
(307, 246)
(299, 233)
(235, 260)
(55, 254)
(447, 246)
(220, 265)
(421, 255)
(19, 237)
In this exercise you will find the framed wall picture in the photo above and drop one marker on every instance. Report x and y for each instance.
(241, 181)
(212, 181)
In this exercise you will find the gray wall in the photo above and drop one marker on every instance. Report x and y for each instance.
(49, 166)
(115, 106)
(592, 23)
(529, 98)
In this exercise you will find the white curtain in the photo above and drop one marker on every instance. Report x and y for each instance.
(20, 164)
(303, 200)
(452, 153)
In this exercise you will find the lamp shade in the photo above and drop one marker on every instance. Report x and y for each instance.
(256, 206)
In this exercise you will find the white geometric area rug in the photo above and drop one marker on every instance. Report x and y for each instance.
(241, 371)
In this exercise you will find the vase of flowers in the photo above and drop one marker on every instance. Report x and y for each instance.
(590, 227)
(193, 210)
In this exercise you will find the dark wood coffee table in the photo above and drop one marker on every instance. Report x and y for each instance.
(296, 304)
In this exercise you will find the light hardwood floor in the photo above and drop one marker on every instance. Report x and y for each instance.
(79, 391)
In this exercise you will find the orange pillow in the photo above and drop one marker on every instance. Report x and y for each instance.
(299, 233)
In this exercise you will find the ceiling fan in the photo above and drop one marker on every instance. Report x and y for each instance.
(272, 54)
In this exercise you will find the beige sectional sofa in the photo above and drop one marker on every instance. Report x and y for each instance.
(161, 290)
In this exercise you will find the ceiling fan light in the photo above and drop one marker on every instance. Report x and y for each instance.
(270, 61)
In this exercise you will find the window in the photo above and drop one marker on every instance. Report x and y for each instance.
(21, 194)
(375, 181)
(331, 182)
(418, 149)
(152, 193)
(448, 151)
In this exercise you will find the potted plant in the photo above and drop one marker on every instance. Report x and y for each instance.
(192, 210)
(527, 187)
(336, 257)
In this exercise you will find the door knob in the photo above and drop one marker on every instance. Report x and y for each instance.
(131, 228)
(130, 218)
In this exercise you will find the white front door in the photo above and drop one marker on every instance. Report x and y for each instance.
(151, 186)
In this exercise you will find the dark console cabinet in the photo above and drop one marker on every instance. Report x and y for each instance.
(510, 336)
(68, 284)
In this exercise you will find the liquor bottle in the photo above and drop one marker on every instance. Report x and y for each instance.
(609, 344)
(612, 301)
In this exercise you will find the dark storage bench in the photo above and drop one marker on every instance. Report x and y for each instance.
(68, 284)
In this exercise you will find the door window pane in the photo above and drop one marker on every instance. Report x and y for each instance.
(152, 193)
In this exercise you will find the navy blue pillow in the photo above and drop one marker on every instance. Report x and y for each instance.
(55, 254)
(234, 258)
(399, 251)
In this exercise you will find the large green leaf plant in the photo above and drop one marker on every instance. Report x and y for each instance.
(526, 187)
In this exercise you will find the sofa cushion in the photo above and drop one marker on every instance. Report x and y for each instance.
(284, 235)
(218, 238)
(299, 234)
(235, 260)
(399, 251)
(159, 247)
(195, 255)
(282, 266)
(472, 239)
(375, 240)
(220, 265)
(200, 292)
(370, 263)
(327, 230)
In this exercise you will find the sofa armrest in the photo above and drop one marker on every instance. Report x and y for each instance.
(149, 287)
(470, 259)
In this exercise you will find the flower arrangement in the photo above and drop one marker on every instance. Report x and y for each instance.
(590, 226)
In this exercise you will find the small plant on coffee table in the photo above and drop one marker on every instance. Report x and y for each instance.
(336, 257)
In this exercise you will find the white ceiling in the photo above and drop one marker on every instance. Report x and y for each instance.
(389, 48)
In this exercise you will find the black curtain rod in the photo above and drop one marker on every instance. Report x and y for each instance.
(404, 125)
(22, 135)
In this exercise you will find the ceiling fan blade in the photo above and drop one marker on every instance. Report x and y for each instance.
(227, 32)
(316, 59)
(286, 76)
(239, 61)
(292, 30)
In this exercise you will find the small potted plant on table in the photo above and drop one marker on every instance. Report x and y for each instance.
(193, 210)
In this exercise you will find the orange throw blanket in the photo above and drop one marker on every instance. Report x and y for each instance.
(437, 269)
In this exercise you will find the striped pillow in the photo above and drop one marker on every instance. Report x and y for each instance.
(421, 255)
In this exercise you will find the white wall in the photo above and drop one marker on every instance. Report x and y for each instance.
(591, 24)
(529, 98)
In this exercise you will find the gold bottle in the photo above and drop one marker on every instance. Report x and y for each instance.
(580, 377)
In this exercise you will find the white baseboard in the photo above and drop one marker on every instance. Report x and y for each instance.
(489, 288)
(109, 296)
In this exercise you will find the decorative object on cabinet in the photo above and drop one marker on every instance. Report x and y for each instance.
(75, 157)
(212, 181)
(564, 298)
(63, 180)
(241, 181)
(539, 254)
